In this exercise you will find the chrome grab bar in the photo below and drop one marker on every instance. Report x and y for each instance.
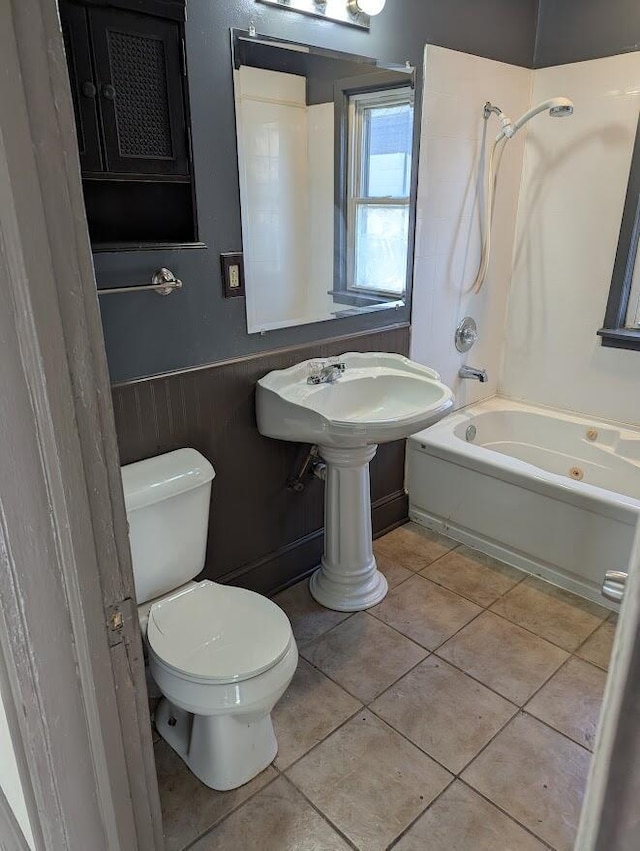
(614, 585)
(164, 282)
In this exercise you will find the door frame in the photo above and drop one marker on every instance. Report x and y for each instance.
(72, 674)
(610, 818)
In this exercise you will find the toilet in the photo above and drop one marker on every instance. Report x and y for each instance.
(221, 656)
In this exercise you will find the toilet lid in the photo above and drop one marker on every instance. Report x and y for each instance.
(217, 632)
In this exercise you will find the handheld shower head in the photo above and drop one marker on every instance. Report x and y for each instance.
(556, 107)
(561, 107)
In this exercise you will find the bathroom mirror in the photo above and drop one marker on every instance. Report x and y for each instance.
(327, 181)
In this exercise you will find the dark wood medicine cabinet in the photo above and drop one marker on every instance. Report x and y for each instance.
(127, 67)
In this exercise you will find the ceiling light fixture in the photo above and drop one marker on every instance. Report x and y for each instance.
(355, 13)
(369, 7)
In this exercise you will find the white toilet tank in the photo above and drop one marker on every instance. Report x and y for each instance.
(167, 500)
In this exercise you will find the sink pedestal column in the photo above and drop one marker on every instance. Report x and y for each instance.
(348, 579)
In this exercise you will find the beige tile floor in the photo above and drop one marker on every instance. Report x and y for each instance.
(457, 715)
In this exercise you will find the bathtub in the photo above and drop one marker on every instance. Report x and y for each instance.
(551, 493)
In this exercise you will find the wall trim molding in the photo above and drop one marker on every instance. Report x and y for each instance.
(324, 341)
(282, 566)
(75, 699)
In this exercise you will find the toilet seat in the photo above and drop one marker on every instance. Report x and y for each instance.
(217, 633)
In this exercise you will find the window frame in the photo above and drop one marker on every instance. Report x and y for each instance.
(372, 82)
(615, 332)
(359, 102)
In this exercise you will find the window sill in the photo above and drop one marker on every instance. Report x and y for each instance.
(362, 299)
(620, 338)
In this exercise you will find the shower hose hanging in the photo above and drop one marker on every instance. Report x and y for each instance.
(558, 107)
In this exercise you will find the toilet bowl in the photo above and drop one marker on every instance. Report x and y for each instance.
(221, 656)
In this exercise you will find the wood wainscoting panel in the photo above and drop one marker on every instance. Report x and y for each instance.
(261, 535)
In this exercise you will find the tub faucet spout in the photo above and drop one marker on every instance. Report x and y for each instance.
(477, 374)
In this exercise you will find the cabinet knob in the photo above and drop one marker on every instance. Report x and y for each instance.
(109, 91)
(88, 89)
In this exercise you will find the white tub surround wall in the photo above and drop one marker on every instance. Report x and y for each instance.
(271, 113)
(453, 146)
(10, 779)
(573, 190)
(287, 187)
(551, 493)
(321, 124)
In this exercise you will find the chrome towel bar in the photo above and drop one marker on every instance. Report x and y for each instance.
(164, 282)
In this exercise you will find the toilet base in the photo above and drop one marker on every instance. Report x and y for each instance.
(223, 751)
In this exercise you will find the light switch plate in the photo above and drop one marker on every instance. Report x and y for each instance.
(232, 274)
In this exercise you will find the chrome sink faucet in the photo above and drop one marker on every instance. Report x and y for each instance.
(470, 372)
(325, 373)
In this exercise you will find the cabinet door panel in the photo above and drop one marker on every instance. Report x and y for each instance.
(140, 82)
(75, 30)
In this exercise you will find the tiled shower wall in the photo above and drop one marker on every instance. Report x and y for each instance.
(455, 140)
(573, 190)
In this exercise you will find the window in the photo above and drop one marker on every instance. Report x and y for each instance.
(380, 129)
(621, 327)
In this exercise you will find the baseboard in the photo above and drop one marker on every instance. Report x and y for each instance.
(389, 512)
(297, 560)
(280, 568)
(555, 575)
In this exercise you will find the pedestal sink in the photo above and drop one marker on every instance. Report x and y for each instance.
(347, 406)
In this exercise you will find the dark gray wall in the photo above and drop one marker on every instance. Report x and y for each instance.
(146, 334)
(575, 30)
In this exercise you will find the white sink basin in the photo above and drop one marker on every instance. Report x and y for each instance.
(378, 398)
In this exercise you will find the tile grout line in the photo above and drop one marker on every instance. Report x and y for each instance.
(233, 810)
(478, 792)
(521, 711)
(366, 705)
(558, 732)
(279, 774)
(363, 702)
(456, 774)
(322, 815)
(422, 647)
(398, 733)
(406, 830)
(518, 709)
(542, 637)
(321, 741)
(507, 814)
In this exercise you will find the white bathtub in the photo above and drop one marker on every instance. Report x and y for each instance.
(554, 494)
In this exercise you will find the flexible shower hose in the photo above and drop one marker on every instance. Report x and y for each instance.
(493, 168)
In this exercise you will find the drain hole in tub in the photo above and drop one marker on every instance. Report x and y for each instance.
(470, 433)
(592, 434)
(576, 473)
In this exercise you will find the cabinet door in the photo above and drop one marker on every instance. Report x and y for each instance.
(138, 62)
(75, 30)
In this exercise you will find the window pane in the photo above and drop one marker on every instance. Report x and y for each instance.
(387, 151)
(381, 248)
